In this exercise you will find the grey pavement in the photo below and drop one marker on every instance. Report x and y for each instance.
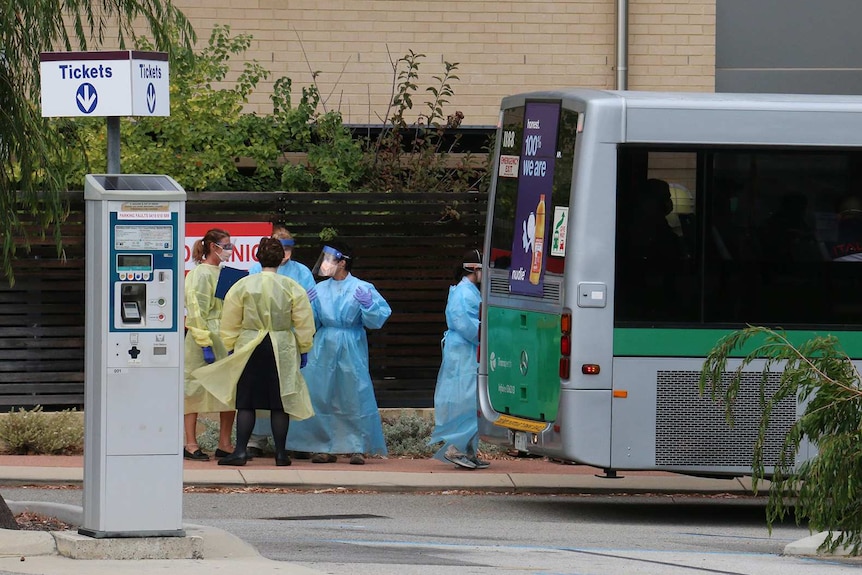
(216, 551)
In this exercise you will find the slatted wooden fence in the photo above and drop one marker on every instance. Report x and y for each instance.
(407, 245)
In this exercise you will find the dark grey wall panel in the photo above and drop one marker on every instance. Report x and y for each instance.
(796, 46)
(789, 81)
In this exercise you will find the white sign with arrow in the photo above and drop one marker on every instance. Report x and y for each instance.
(114, 83)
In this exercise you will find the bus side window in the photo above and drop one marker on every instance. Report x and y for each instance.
(653, 234)
(788, 233)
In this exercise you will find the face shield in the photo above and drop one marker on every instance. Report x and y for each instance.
(327, 263)
(469, 268)
(287, 244)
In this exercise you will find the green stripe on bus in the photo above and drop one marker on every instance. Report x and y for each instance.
(657, 342)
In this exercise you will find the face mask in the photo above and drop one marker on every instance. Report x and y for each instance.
(225, 255)
(327, 269)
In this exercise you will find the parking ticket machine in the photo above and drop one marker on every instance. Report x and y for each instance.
(133, 402)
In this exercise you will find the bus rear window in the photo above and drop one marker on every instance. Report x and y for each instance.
(506, 234)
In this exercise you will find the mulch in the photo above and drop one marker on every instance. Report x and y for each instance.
(36, 522)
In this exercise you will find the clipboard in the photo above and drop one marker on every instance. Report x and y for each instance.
(226, 278)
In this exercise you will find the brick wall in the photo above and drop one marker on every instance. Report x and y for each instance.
(672, 45)
(502, 46)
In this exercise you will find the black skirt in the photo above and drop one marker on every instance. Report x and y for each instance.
(258, 386)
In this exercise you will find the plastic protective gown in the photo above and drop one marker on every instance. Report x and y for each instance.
(203, 314)
(346, 416)
(256, 305)
(302, 275)
(456, 396)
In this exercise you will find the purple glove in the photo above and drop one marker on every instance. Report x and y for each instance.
(303, 360)
(363, 297)
(312, 293)
(209, 356)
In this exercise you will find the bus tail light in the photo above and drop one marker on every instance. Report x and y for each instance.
(565, 367)
(591, 369)
(565, 344)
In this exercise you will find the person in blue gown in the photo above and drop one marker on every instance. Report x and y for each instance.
(456, 399)
(299, 273)
(346, 420)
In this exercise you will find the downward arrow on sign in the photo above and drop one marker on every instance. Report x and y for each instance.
(86, 98)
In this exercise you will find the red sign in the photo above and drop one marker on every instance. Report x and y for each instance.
(245, 237)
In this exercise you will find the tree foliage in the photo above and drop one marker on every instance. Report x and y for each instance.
(413, 155)
(208, 130)
(826, 489)
(31, 176)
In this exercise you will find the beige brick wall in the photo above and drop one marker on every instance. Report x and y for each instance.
(502, 46)
(672, 45)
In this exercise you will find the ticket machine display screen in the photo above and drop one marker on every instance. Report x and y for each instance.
(134, 266)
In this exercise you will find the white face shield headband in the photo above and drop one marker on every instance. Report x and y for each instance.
(327, 263)
(471, 267)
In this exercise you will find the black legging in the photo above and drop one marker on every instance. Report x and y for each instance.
(245, 418)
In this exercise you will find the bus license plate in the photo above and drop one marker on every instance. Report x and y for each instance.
(520, 441)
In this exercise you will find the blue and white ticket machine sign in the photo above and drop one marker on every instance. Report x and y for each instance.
(133, 402)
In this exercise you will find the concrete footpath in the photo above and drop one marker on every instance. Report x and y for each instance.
(213, 551)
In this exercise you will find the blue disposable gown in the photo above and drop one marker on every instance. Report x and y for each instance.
(294, 270)
(456, 396)
(203, 316)
(346, 417)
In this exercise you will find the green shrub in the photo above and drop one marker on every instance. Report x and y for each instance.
(208, 438)
(407, 435)
(36, 432)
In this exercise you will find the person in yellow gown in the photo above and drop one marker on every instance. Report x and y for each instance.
(203, 343)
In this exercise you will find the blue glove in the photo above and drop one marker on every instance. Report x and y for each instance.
(303, 360)
(363, 297)
(209, 356)
(312, 293)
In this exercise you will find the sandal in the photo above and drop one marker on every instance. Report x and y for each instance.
(324, 458)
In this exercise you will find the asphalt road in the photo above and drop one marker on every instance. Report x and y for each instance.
(425, 534)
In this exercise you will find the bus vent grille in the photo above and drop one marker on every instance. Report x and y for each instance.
(500, 285)
(692, 430)
(552, 288)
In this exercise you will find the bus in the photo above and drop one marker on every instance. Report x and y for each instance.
(627, 232)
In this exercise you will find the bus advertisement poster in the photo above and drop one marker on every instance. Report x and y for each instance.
(535, 184)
